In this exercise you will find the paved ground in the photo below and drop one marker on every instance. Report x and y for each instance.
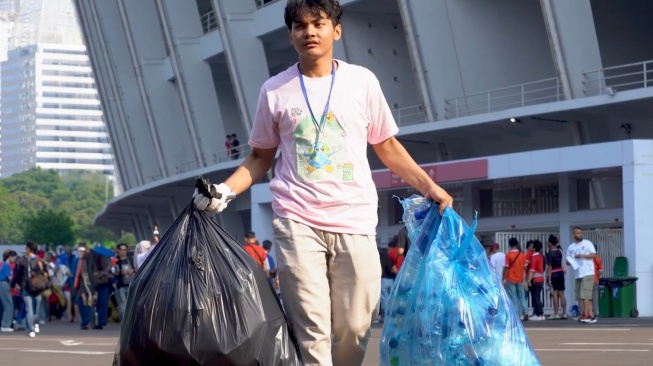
(609, 342)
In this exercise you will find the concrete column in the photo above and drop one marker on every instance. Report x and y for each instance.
(244, 54)
(468, 212)
(574, 46)
(638, 219)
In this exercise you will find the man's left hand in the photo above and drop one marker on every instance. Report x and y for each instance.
(439, 195)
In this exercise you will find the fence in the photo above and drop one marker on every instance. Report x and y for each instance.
(609, 242)
(536, 92)
(609, 80)
(410, 115)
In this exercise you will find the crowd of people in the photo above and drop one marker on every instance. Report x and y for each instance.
(85, 284)
(524, 273)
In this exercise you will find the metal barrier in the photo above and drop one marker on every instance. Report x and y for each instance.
(209, 21)
(536, 92)
(228, 154)
(409, 115)
(609, 80)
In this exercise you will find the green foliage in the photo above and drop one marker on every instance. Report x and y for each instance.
(127, 238)
(9, 218)
(79, 195)
(50, 228)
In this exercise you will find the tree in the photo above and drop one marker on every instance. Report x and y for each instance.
(10, 215)
(127, 238)
(50, 228)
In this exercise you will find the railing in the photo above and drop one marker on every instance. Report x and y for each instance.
(536, 92)
(228, 154)
(609, 80)
(410, 115)
(262, 3)
(209, 21)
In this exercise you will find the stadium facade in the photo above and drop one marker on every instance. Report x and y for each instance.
(534, 114)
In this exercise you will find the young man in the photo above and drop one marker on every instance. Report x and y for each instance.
(256, 251)
(26, 267)
(582, 253)
(555, 274)
(322, 113)
(513, 278)
(497, 260)
(124, 276)
(536, 280)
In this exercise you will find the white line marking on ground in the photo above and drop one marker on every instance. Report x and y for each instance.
(583, 329)
(71, 342)
(604, 344)
(588, 350)
(97, 353)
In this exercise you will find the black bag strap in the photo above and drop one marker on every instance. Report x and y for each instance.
(513, 261)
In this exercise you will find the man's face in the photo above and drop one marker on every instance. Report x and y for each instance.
(313, 36)
(122, 252)
(578, 235)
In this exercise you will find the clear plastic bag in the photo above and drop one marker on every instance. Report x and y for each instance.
(446, 307)
(200, 299)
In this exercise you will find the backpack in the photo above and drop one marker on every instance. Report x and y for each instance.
(37, 280)
(99, 267)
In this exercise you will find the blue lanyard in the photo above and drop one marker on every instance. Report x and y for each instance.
(318, 126)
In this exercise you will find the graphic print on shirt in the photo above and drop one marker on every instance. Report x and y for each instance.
(327, 159)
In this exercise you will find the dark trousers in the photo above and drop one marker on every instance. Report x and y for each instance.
(536, 298)
(85, 312)
(103, 304)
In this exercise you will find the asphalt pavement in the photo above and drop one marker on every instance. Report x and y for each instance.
(557, 342)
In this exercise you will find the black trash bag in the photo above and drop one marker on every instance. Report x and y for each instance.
(201, 299)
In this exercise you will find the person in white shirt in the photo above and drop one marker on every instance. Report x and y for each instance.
(497, 260)
(580, 256)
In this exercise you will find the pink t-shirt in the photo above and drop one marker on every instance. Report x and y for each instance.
(328, 186)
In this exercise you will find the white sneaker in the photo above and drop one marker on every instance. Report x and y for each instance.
(36, 328)
(536, 318)
(6, 330)
(32, 334)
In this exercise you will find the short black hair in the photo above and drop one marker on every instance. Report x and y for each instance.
(513, 242)
(267, 245)
(553, 240)
(295, 8)
(537, 245)
(8, 253)
(250, 235)
(122, 245)
(32, 246)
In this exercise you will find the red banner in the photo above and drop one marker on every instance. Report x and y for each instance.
(440, 173)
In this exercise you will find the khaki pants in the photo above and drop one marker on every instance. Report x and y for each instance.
(331, 284)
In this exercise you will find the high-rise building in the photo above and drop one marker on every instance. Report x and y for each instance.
(535, 114)
(51, 115)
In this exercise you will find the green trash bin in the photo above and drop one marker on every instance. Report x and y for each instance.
(605, 299)
(623, 290)
(624, 297)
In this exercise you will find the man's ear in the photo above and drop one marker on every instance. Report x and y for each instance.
(337, 32)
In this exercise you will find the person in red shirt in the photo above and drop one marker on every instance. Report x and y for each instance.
(395, 255)
(536, 280)
(256, 251)
(598, 268)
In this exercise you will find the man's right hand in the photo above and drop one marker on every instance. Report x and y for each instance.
(213, 205)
